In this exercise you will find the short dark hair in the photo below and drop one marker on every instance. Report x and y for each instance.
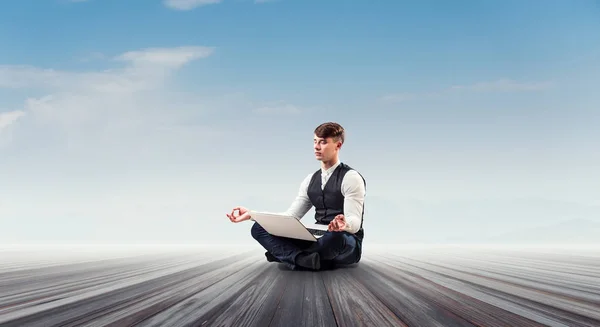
(331, 129)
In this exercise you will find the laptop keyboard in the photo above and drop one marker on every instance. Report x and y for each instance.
(317, 232)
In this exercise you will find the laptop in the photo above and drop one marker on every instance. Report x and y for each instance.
(288, 226)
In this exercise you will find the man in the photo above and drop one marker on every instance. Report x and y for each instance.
(337, 192)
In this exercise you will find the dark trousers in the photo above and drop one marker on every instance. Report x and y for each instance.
(334, 248)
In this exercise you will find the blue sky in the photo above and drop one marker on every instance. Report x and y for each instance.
(148, 120)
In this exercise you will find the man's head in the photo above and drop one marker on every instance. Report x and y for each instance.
(328, 140)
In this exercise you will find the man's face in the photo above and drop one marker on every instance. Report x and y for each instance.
(325, 148)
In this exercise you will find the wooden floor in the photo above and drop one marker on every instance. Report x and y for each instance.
(392, 286)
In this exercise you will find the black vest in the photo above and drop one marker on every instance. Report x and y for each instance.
(329, 201)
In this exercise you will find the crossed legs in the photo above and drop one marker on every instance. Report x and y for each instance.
(333, 248)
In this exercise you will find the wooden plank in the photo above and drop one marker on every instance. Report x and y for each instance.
(235, 299)
(43, 292)
(406, 301)
(562, 299)
(290, 306)
(38, 288)
(541, 265)
(316, 309)
(585, 288)
(92, 305)
(254, 304)
(142, 310)
(451, 307)
(532, 304)
(304, 302)
(237, 287)
(353, 304)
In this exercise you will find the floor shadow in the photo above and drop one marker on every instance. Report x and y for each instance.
(284, 267)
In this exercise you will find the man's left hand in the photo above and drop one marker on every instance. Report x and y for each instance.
(337, 224)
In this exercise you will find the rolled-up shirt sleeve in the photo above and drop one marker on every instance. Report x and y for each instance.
(354, 191)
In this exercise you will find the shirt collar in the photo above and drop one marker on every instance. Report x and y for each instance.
(330, 169)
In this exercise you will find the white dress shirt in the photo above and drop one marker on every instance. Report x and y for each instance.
(353, 190)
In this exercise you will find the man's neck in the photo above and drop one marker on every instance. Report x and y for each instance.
(329, 164)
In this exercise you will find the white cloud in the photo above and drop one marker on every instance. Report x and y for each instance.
(81, 137)
(27, 76)
(7, 125)
(144, 69)
(167, 57)
(8, 118)
(107, 109)
(188, 4)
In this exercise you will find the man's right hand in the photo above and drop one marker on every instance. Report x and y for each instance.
(242, 214)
